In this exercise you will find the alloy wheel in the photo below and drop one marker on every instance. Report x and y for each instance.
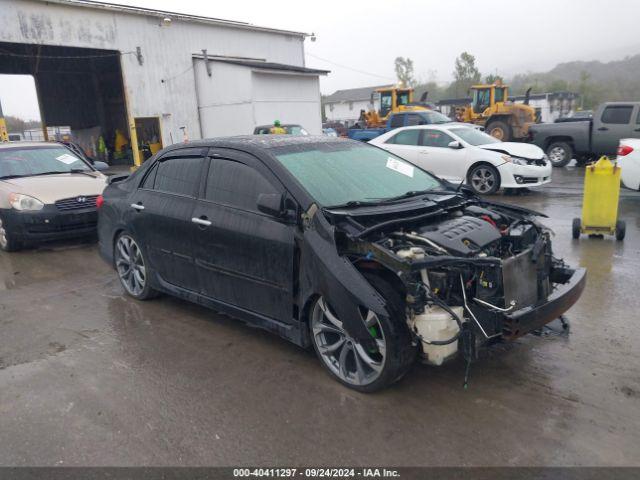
(345, 357)
(483, 180)
(4, 241)
(130, 265)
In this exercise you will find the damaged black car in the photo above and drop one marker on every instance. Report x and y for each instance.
(337, 245)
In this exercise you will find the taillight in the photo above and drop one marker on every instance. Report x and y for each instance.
(624, 150)
(99, 201)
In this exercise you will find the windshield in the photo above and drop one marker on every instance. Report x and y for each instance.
(25, 162)
(295, 130)
(342, 172)
(473, 136)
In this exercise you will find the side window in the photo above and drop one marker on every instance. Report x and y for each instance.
(638, 118)
(405, 137)
(236, 184)
(617, 114)
(178, 175)
(397, 121)
(435, 138)
(415, 119)
(150, 178)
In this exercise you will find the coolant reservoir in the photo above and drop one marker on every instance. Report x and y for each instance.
(438, 324)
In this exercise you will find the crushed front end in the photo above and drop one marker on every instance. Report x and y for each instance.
(472, 272)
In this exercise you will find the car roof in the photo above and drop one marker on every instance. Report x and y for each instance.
(253, 143)
(5, 145)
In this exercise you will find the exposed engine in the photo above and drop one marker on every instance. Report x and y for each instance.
(464, 272)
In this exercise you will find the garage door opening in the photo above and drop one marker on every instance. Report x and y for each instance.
(80, 89)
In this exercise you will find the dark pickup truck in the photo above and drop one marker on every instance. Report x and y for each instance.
(585, 140)
(397, 120)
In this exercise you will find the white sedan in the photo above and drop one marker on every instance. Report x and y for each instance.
(459, 152)
(629, 162)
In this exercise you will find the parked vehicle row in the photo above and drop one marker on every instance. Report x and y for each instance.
(330, 243)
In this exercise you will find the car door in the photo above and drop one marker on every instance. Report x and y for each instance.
(435, 155)
(404, 144)
(243, 257)
(161, 213)
(615, 122)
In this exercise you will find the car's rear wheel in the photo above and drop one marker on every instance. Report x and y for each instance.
(132, 269)
(363, 367)
(484, 179)
(559, 154)
(8, 242)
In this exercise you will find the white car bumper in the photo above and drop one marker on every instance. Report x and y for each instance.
(524, 176)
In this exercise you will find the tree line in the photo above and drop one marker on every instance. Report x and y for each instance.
(595, 82)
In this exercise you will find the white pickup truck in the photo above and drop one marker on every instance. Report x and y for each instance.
(629, 162)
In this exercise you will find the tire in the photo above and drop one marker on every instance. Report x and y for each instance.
(559, 154)
(484, 179)
(8, 241)
(394, 353)
(131, 263)
(575, 228)
(621, 230)
(499, 129)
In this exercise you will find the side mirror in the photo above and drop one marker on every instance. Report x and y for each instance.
(100, 166)
(455, 145)
(271, 204)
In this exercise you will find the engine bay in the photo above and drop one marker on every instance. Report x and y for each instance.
(464, 271)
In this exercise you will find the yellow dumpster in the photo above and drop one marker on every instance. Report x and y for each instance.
(600, 201)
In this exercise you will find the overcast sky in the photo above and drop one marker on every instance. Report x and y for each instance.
(356, 37)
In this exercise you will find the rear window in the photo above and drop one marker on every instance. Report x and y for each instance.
(617, 114)
(179, 176)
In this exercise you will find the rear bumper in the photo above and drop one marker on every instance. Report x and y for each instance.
(50, 223)
(524, 321)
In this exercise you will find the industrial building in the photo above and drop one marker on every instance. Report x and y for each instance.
(138, 77)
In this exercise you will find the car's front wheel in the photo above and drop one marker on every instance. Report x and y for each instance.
(131, 266)
(484, 179)
(369, 366)
(8, 242)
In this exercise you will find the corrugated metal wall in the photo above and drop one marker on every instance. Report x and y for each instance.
(164, 85)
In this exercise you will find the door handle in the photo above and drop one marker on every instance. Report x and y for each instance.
(137, 206)
(637, 130)
(202, 221)
(603, 129)
(425, 152)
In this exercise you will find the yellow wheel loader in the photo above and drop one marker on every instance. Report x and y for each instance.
(392, 100)
(501, 118)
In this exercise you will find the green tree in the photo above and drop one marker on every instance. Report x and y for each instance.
(466, 73)
(491, 78)
(404, 71)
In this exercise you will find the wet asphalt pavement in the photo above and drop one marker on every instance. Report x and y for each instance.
(91, 377)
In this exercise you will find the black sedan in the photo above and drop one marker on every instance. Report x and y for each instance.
(334, 244)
